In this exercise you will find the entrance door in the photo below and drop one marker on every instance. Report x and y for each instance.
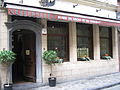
(24, 46)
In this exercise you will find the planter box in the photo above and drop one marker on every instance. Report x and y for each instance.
(8, 87)
(52, 81)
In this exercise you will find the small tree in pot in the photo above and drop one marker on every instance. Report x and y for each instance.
(50, 57)
(7, 58)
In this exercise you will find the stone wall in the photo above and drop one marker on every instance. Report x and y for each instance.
(4, 38)
(4, 41)
(74, 69)
(82, 69)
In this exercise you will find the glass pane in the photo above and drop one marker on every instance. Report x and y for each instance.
(105, 41)
(57, 28)
(83, 47)
(83, 29)
(84, 40)
(104, 47)
(58, 44)
(104, 32)
(58, 38)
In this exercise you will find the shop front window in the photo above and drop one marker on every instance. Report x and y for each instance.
(57, 38)
(105, 41)
(84, 41)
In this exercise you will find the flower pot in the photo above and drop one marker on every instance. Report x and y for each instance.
(8, 87)
(52, 81)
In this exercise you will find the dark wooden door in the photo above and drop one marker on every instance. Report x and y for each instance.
(29, 56)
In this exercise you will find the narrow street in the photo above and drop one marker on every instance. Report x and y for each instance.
(116, 87)
(94, 83)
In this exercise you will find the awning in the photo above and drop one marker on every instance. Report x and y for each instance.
(58, 16)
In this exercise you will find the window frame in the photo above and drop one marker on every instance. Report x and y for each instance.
(66, 59)
(90, 38)
(107, 38)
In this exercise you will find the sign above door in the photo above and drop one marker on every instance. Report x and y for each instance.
(58, 16)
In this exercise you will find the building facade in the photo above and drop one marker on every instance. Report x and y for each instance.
(75, 29)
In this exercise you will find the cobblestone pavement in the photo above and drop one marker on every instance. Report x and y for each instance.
(116, 87)
(94, 83)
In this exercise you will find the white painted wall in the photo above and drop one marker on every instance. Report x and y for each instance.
(68, 6)
(109, 1)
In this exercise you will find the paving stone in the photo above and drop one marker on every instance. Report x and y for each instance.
(85, 84)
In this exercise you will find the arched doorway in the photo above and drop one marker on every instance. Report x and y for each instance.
(24, 45)
(25, 40)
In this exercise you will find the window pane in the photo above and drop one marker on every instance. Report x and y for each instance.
(57, 28)
(104, 31)
(57, 43)
(105, 41)
(104, 45)
(58, 38)
(83, 29)
(84, 40)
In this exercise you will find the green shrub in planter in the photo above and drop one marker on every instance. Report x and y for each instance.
(84, 59)
(7, 56)
(50, 57)
(6, 59)
(106, 57)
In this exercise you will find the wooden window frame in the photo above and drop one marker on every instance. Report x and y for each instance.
(89, 37)
(110, 41)
(66, 59)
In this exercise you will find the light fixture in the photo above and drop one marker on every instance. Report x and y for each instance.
(21, 1)
(97, 10)
(53, 26)
(75, 5)
(18, 30)
(43, 2)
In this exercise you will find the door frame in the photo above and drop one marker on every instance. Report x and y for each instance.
(36, 28)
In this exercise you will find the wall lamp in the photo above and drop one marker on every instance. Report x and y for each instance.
(97, 10)
(75, 5)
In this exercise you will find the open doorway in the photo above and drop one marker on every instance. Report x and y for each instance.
(24, 45)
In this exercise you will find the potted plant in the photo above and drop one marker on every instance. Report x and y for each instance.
(84, 58)
(7, 57)
(106, 57)
(50, 57)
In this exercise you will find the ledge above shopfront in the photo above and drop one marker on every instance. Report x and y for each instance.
(55, 15)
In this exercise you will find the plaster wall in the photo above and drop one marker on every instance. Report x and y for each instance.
(4, 43)
(78, 70)
(67, 5)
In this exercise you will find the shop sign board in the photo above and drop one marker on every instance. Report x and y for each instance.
(58, 17)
